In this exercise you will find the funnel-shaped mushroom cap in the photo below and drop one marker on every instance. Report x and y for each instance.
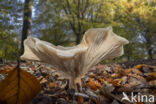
(73, 62)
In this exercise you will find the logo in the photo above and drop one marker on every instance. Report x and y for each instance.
(137, 98)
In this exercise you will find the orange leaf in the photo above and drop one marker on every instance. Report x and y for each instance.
(5, 70)
(128, 71)
(138, 66)
(18, 87)
(94, 84)
(52, 85)
(116, 82)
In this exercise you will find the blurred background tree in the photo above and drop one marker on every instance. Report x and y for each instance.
(9, 28)
(63, 22)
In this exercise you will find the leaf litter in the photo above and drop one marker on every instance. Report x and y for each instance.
(104, 84)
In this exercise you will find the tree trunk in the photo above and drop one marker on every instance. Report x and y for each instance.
(77, 38)
(150, 54)
(27, 20)
(148, 44)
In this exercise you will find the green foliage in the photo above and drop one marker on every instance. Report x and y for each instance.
(9, 15)
(63, 22)
(8, 45)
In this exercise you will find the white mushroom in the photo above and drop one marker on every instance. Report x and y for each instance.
(73, 62)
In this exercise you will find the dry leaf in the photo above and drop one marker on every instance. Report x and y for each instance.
(152, 83)
(124, 80)
(94, 84)
(138, 77)
(116, 82)
(152, 74)
(115, 75)
(107, 88)
(102, 80)
(119, 70)
(138, 66)
(28, 63)
(100, 67)
(139, 103)
(80, 100)
(127, 71)
(5, 70)
(18, 87)
(137, 71)
(52, 85)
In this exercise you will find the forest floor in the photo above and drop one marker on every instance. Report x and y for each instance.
(103, 84)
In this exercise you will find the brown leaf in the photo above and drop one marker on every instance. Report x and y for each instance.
(115, 75)
(106, 88)
(52, 85)
(100, 67)
(152, 83)
(102, 80)
(5, 70)
(136, 71)
(140, 103)
(138, 77)
(28, 63)
(33, 68)
(18, 87)
(119, 70)
(80, 100)
(152, 74)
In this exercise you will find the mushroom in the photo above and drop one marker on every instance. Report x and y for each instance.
(74, 62)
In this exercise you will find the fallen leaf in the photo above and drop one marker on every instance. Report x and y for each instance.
(107, 88)
(152, 74)
(115, 75)
(137, 71)
(100, 67)
(152, 83)
(5, 70)
(127, 71)
(138, 66)
(52, 85)
(119, 70)
(28, 63)
(102, 80)
(116, 82)
(18, 87)
(140, 103)
(33, 68)
(80, 100)
(43, 80)
(124, 80)
(148, 69)
(125, 87)
(56, 76)
(138, 77)
(94, 84)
